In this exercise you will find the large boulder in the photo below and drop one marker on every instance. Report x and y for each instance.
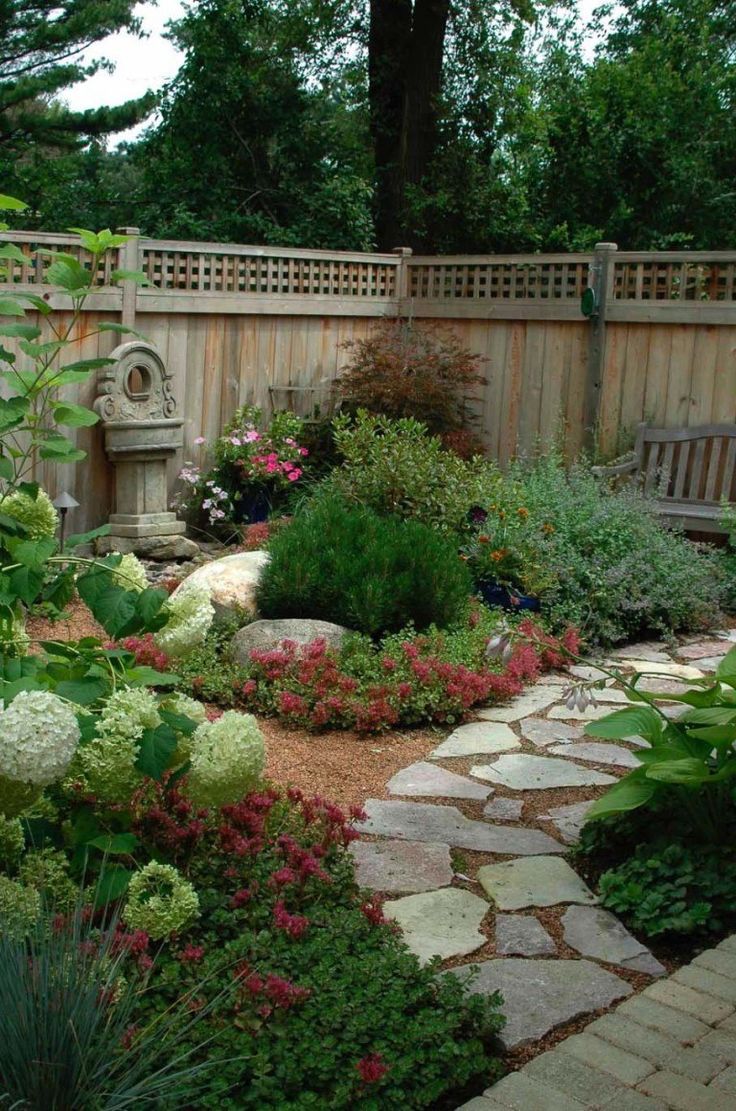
(232, 581)
(265, 635)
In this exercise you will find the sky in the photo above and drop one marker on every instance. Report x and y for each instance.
(142, 64)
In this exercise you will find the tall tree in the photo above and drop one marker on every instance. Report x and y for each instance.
(41, 43)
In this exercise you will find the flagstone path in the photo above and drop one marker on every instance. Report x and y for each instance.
(508, 798)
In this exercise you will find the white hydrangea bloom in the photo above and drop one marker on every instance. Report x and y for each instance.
(160, 901)
(37, 514)
(39, 735)
(107, 768)
(130, 573)
(127, 713)
(190, 616)
(227, 758)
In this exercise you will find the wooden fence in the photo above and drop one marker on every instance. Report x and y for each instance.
(268, 325)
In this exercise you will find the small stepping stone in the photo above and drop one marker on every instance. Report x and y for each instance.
(671, 671)
(588, 673)
(522, 935)
(533, 700)
(539, 995)
(703, 650)
(424, 821)
(590, 713)
(542, 732)
(522, 772)
(427, 780)
(401, 867)
(595, 932)
(710, 663)
(598, 752)
(651, 650)
(543, 881)
(505, 810)
(440, 923)
(661, 686)
(610, 694)
(568, 820)
(480, 738)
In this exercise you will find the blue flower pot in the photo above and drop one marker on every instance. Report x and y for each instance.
(496, 595)
(252, 508)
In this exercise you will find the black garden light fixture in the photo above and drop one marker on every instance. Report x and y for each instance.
(64, 503)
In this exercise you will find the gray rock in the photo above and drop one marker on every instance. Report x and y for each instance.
(264, 635)
(505, 810)
(422, 821)
(710, 664)
(522, 772)
(597, 933)
(598, 752)
(401, 867)
(568, 820)
(425, 780)
(542, 732)
(232, 582)
(704, 649)
(522, 935)
(542, 881)
(652, 650)
(479, 738)
(589, 672)
(158, 548)
(539, 995)
(669, 670)
(442, 923)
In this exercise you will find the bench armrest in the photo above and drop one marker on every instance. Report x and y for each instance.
(626, 465)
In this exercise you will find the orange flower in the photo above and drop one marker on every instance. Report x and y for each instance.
(483, 539)
(523, 512)
(498, 555)
(548, 528)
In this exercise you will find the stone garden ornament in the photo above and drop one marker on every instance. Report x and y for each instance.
(138, 412)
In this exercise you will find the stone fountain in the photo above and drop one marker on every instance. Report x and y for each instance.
(138, 413)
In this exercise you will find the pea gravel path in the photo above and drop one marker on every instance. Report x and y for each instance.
(503, 798)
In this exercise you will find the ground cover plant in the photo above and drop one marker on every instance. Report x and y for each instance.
(660, 841)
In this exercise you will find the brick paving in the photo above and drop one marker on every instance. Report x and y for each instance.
(667, 1049)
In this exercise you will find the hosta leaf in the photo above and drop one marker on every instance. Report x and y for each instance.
(726, 670)
(688, 773)
(629, 793)
(634, 721)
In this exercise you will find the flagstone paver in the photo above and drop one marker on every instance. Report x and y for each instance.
(523, 772)
(535, 699)
(652, 651)
(522, 935)
(504, 810)
(590, 713)
(542, 994)
(597, 752)
(542, 881)
(595, 932)
(542, 732)
(442, 923)
(480, 738)
(426, 780)
(671, 671)
(568, 820)
(704, 649)
(402, 867)
(417, 821)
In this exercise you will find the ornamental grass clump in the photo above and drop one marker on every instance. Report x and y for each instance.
(347, 564)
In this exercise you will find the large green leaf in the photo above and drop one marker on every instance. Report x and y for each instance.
(157, 747)
(110, 605)
(60, 449)
(629, 793)
(709, 715)
(26, 584)
(121, 844)
(111, 884)
(74, 416)
(31, 553)
(148, 677)
(726, 670)
(78, 538)
(634, 721)
(687, 773)
(83, 691)
(10, 306)
(12, 204)
(26, 331)
(67, 271)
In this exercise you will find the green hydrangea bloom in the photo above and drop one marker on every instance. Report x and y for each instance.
(160, 901)
(227, 758)
(19, 908)
(130, 573)
(39, 516)
(47, 871)
(106, 765)
(127, 713)
(12, 841)
(16, 797)
(190, 613)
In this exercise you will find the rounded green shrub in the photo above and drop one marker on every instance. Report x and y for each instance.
(375, 574)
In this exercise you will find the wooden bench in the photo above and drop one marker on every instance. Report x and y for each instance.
(689, 472)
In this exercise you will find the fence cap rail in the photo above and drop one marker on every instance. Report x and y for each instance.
(500, 260)
(674, 256)
(266, 251)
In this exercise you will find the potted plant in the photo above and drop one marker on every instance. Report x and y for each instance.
(502, 559)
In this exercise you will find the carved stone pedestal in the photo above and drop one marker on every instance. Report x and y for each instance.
(138, 414)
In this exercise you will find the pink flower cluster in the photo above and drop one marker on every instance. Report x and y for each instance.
(305, 684)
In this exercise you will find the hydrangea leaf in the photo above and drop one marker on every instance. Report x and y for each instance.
(157, 747)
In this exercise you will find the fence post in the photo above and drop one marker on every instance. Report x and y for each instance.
(402, 280)
(129, 258)
(600, 280)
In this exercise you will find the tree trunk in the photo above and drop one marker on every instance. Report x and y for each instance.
(405, 51)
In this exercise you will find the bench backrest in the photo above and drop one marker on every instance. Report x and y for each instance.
(688, 464)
